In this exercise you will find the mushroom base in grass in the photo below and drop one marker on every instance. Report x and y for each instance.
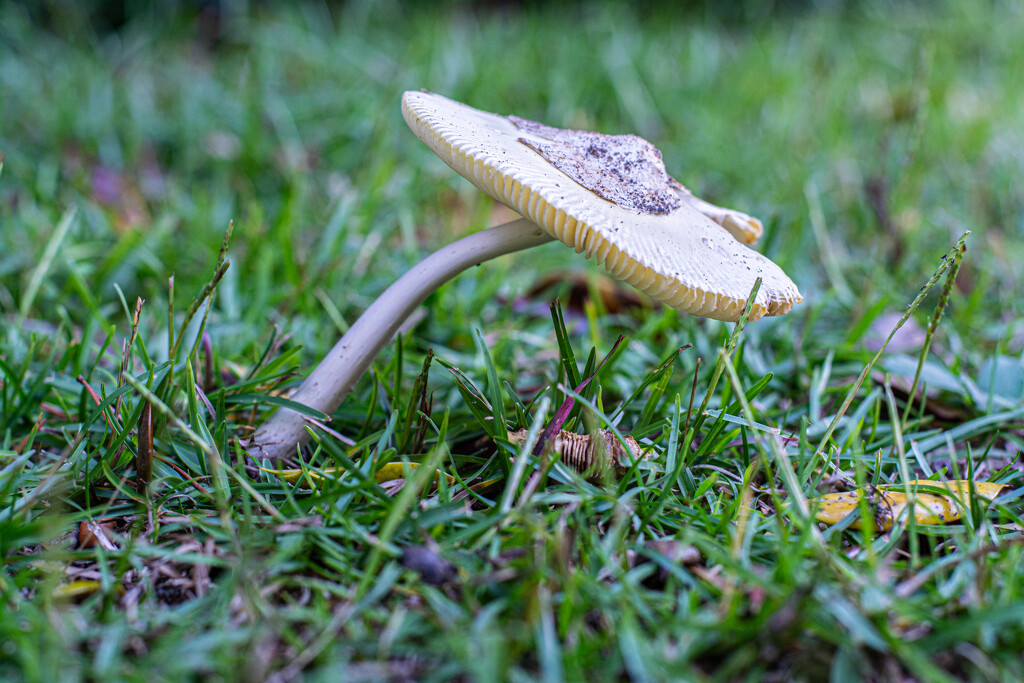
(341, 368)
(607, 196)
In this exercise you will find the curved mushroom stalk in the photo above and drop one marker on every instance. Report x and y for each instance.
(327, 386)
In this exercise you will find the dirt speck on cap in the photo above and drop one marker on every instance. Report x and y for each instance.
(623, 169)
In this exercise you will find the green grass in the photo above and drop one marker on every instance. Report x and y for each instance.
(869, 138)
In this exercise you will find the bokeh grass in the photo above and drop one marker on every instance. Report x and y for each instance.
(868, 137)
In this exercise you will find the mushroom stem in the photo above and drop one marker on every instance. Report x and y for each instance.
(341, 368)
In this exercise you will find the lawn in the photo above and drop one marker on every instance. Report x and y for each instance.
(195, 204)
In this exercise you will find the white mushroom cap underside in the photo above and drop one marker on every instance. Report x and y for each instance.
(682, 258)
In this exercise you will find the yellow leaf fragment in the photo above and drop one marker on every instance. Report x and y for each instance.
(76, 589)
(389, 472)
(293, 476)
(396, 470)
(888, 502)
(959, 488)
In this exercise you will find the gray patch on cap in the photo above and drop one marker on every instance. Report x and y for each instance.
(624, 169)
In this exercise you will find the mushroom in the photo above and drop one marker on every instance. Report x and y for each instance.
(592, 453)
(607, 196)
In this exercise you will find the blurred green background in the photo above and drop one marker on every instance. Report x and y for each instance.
(867, 136)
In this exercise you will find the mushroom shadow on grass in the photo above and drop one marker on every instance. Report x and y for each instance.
(607, 196)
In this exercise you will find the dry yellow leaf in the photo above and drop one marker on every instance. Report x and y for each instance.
(389, 472)
(76, 589)
(888, 502)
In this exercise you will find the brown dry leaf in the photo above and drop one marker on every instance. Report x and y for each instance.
(933, 404)
(92, 533)
(590, 453)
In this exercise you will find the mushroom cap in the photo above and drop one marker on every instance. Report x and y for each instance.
(609, 197)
